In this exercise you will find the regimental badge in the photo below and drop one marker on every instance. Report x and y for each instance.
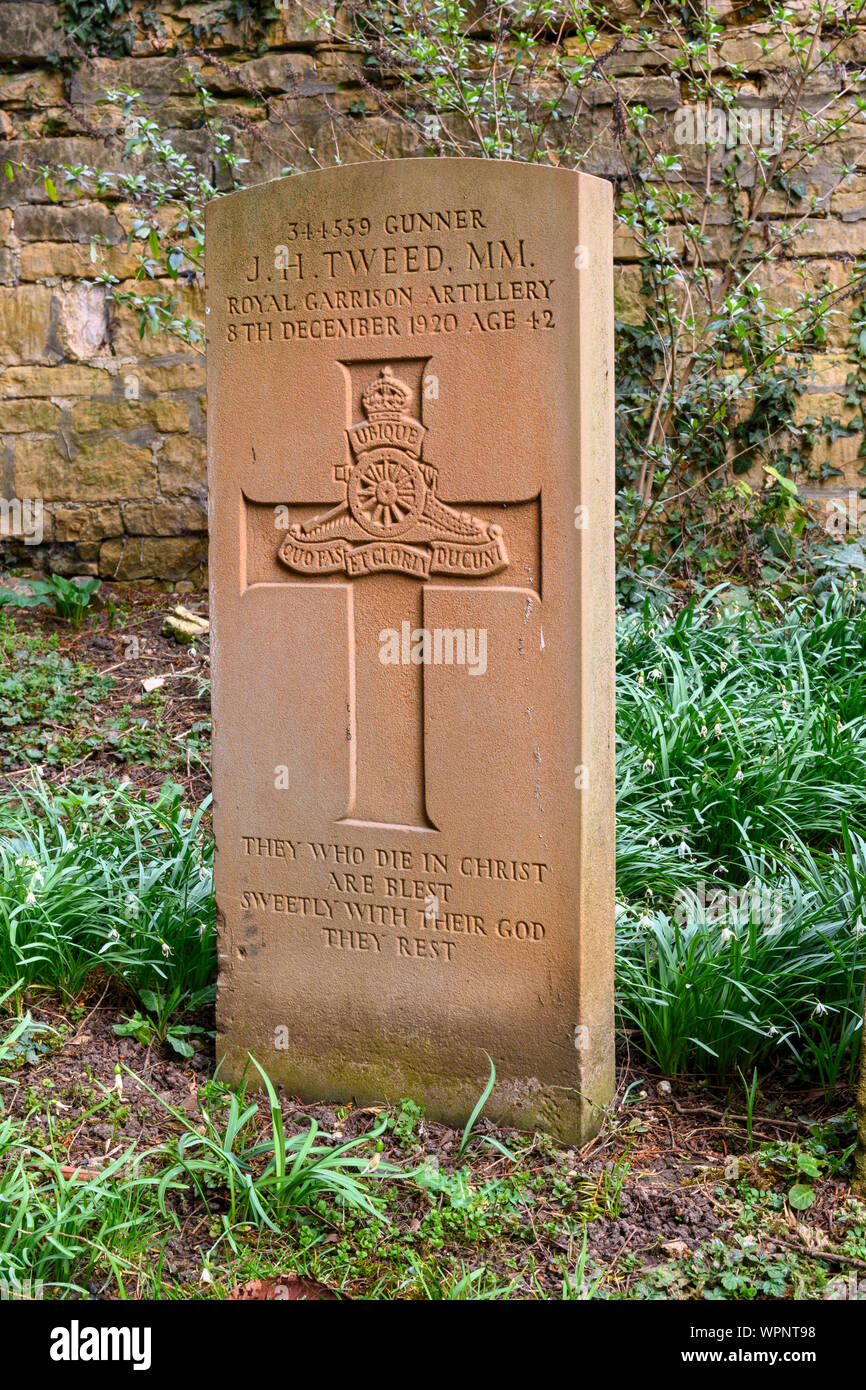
(391, 518)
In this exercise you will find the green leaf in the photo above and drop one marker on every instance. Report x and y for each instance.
(482, 1101)
(801, 1196)
(16, 600)
(809, 1165)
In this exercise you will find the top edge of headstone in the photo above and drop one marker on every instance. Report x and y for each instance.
(533, 170)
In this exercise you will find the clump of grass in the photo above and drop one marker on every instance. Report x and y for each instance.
(58, 1228)
(69, 597)
(96, 885)
(739, 731)
(741, 817)
(713, 992)
(265, 1177)
(58, 1225)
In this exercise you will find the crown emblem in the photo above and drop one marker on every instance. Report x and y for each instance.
(386, 398)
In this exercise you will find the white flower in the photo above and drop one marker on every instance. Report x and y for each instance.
(819, 1009)
(723, 666)
(31, 897)
(859, 927)
(668, 805)
(704, 731)
(738, 775)
(656, 675)
(166, 949)
(785, 706)
(726, 934)
(640, 679)
(682, 849)
(717, 729)
(649, 765)
(654, 842)
(111, 936)
(772, 1031)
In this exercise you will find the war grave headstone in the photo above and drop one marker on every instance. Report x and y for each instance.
(410, 424)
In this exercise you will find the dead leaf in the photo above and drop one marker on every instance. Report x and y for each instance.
(151, 683)
(289, 1287)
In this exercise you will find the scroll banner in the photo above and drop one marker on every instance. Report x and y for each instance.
(443, 557)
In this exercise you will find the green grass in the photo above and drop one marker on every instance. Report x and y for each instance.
(97, 885)
(741, 835)
(739, 732)
(52, 712)
(46, 700)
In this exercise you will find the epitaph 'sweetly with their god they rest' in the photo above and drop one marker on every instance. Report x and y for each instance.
(411, 477)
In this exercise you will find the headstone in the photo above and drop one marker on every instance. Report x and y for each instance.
(411, 480)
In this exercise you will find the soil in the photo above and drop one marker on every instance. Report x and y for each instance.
(670, 1143)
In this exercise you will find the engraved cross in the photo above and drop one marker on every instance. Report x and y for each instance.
(392, 534)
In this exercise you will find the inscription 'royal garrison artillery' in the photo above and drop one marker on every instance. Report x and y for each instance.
(391, 508)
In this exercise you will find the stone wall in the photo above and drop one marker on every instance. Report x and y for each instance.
(108, 429)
